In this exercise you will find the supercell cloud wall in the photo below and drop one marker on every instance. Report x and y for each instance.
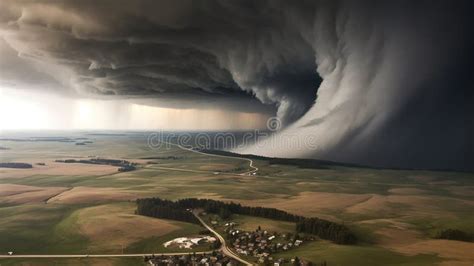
(386, 83)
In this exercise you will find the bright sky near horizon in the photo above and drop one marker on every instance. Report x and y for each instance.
(29, 110)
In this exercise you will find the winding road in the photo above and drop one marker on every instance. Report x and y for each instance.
(98, 255)
(254, 168)
(224, 248)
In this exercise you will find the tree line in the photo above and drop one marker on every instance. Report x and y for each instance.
(455, 234)
(338, 233)
(177, 210)
(15, 165)
(218, 207)
(165, 209)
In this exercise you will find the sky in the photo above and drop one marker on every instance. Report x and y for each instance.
(21, 110)
(385, 83)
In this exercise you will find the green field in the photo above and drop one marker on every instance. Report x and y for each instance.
(77, 208)
(249, 223)
(356, 255)
(73, 262)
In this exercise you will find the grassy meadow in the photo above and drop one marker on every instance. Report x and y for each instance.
(77, 208)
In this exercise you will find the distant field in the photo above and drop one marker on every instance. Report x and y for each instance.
(73, 262)
(76, 229)
(78, 208)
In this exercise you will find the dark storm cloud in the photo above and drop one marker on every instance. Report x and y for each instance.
(416, 100)
(382, 82)
(217, 49)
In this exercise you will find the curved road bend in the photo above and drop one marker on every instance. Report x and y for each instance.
(224, 248)
(99, 255)
(254, 168)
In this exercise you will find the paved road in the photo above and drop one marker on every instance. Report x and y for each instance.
(224, 248)
(99, 255)
(254, 169)
(154, 166)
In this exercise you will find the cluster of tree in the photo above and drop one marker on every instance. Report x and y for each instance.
(162, 158)
(58, 139)
(338, 233)
(83, 141)
(324, 229)
(113, 162)
(455, 234)
(165, 209)
(123, 164)
(127, 168)
(15, 165)
(224, 208)
(303, 163)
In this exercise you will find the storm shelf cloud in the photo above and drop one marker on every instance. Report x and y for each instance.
(385, 83)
